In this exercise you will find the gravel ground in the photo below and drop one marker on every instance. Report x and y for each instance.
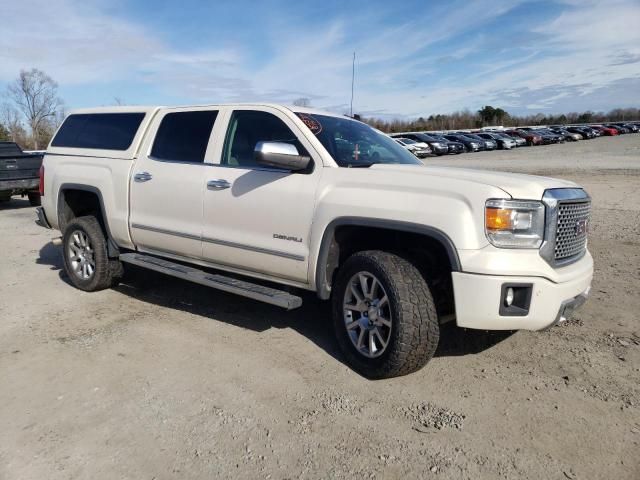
(162, 379)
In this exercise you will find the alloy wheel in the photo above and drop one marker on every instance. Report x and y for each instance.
(367, 314)
(81, 255)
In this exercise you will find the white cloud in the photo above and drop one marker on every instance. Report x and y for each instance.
(586, 48)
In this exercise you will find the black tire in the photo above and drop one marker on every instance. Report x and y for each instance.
(107, 271)
(414, 331)
(34, 199)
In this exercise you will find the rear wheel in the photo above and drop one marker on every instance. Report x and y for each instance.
(384, 315)
(85, 256)
(34, 199)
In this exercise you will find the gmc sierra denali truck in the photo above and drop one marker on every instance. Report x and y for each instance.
(265, 201)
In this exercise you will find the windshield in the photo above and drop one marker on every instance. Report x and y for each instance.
(439, 138)
(472, 136)
(356, 144)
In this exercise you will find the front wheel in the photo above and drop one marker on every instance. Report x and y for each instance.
(384, 316)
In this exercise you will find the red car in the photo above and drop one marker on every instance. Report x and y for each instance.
(530, 137)
(606, 130)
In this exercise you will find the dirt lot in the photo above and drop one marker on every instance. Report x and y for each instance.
(163, 379)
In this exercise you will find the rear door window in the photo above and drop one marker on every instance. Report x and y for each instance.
(184, 136)
(100, 131)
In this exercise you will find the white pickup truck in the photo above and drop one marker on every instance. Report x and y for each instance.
(265, 200)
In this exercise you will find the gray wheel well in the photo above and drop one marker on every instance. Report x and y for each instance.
(79, 201)
(427, 250)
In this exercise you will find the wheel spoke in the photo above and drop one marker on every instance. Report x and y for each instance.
(383, 344)
(356, 294)
(372, 343)
(384, 321)
(383, 301)
(352, 325)
(361, 338)
(374, 287)
(358, 307)
(363, 286)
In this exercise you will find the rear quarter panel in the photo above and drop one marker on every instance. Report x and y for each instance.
(109, 176)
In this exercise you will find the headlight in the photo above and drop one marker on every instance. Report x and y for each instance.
(514, 223)
(436, 144)
(474, 144)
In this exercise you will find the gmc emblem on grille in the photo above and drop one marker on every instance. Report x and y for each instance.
(582, 226)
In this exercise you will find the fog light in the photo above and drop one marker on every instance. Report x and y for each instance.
(508, 299)
(515, 299)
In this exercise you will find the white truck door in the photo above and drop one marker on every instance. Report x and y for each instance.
(167, 183)
(256, 218)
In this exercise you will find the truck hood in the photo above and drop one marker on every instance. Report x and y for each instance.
(517, 185)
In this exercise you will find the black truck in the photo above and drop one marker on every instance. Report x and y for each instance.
(19, 173)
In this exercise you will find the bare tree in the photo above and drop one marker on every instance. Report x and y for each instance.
(10, 118)
(4, 133)
(36, 95)
(302, 102)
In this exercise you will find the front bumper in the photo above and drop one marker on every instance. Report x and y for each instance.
(422, 153)
(478, 298)
(440, 150)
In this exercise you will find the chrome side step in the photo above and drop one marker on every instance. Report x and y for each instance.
(261, 293)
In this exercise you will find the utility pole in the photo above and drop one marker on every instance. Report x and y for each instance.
(353, 76)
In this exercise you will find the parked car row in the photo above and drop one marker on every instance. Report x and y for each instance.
(424, 144)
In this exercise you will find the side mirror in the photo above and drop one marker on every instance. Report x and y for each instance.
(280, 155)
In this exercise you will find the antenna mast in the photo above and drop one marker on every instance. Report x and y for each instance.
(353, 75)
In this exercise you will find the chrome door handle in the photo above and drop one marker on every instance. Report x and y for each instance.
(218, 184)
(142, 177)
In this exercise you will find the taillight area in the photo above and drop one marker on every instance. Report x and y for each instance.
(41, 183)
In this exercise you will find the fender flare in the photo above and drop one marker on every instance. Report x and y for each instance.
(322, 285)
(113, 249)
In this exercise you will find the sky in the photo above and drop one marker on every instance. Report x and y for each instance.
(413, 58)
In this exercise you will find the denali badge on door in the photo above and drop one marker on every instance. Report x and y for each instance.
(286, 237)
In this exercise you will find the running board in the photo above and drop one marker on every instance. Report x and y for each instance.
(254, 291)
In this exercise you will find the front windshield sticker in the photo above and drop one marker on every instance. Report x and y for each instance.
(311, 123)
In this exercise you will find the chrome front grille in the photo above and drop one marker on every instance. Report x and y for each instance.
(571, 229)
(567, 216)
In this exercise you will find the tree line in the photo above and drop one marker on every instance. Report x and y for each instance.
(488, 115)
